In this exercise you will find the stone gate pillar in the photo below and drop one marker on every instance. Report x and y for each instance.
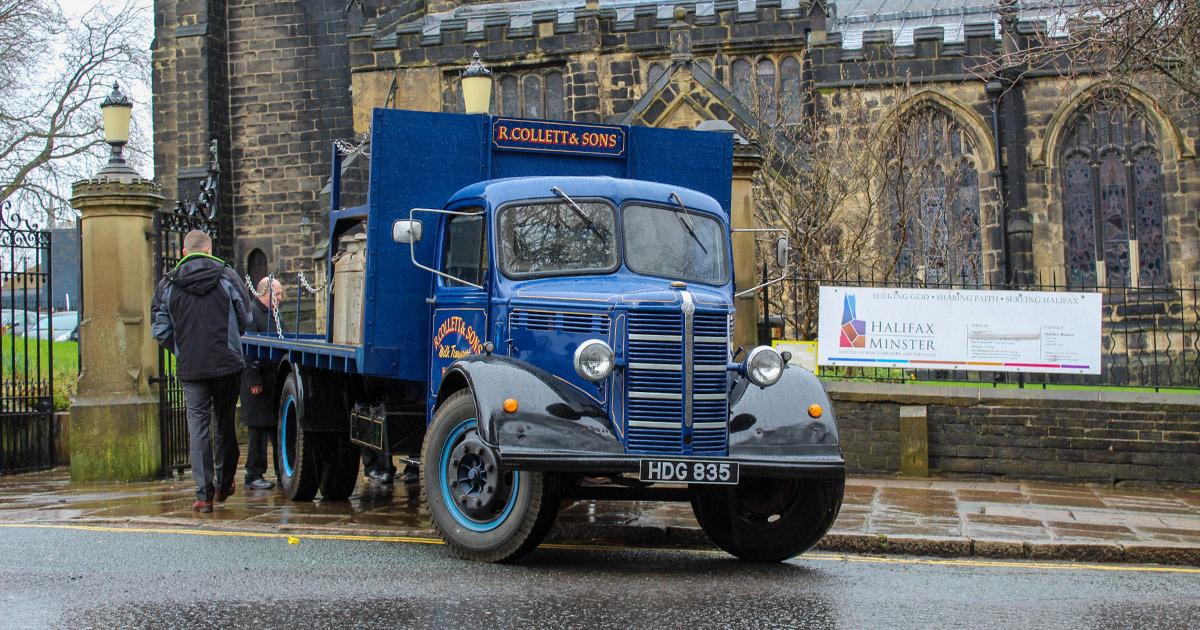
(746, 161)
(114, 418)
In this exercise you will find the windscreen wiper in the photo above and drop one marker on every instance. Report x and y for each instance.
(686, 220)
(580, 213)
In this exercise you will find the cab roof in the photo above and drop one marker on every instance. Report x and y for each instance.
(501, 191)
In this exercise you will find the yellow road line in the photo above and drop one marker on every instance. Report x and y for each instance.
(229, 533)
(818, 556)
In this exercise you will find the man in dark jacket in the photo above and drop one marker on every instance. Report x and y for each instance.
(199, 312)
(257, 391)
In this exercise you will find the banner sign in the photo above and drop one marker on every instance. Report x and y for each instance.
(939, 329)
(516, 134)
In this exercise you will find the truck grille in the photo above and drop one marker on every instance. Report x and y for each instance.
(655, 383)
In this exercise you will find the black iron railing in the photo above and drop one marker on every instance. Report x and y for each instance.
(27, 429)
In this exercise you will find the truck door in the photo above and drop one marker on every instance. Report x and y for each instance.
(460, 298)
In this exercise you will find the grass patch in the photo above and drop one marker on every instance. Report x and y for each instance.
(985, 385)
(17, 352)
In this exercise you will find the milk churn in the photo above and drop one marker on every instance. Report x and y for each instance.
(348, 272)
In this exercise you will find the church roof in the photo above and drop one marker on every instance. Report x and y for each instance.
(851, 20)
(854, 18)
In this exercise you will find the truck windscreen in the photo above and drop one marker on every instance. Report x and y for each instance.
(669, 242)
(557, 238)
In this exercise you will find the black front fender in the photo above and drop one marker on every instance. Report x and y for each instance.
(773, 422)
(552, 416)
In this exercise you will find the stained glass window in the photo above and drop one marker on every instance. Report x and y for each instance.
(933, 197)
(1147, 181)
(1079, 234)
(1112, 195)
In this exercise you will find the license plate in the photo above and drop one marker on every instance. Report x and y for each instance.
(688, 471)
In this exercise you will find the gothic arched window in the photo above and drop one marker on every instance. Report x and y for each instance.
(741, 72)
(531, 88)
(510, 99)
(1112, 192)
(765, 81)
(555, 109)
(932, 193)
(789, 89)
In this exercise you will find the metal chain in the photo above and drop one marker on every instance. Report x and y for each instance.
(348, 148)
(327, 287)
(274, 307)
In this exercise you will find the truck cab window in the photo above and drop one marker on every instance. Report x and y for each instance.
(557, 238)
(465, 253)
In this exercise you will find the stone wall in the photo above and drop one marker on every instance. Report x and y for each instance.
(270, 81)
(1066, 435)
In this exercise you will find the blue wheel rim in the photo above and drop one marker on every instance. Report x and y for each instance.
(444, 471)
(288, 406)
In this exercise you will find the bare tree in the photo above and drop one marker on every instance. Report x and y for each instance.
(57, 71)
(865, 193)
(1155, 41)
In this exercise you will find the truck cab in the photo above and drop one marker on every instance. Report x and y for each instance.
(560, 332)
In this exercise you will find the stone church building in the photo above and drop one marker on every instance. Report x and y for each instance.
(1072, 179)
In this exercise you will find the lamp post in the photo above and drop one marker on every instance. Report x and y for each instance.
(116, 111)
(477, 87)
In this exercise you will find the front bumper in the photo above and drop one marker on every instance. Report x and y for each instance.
(814, 466)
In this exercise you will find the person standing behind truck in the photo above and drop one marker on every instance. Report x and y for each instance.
(199, 312)
(257, 412)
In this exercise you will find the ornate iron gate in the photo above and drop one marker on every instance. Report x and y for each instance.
(27, 430)
(170, 226)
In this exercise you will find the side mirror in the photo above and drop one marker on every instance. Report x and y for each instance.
(781, 252)
(406, 231)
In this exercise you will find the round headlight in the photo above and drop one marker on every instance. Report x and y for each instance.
(594, 360)
(764, 366)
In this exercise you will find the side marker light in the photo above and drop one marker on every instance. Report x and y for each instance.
(510, 405)
(815, 411)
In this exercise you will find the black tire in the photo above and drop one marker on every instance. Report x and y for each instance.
(504, 516)
(339, 467)
(299, 470)
(768, 520)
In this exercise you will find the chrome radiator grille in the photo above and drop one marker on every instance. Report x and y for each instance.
(656, 410)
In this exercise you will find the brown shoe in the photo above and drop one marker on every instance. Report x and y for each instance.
(203, 506)
(225, 494)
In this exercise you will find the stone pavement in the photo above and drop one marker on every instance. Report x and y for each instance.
(880, 515)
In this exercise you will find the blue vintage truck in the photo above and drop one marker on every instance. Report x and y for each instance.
(545, 313)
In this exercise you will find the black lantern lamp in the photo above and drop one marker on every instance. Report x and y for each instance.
(477, 87)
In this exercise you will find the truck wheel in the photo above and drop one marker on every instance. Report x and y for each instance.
(482, 512)
(768, 520)
(339, 472)
(299, 473)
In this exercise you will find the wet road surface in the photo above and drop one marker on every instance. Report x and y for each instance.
(80, 577)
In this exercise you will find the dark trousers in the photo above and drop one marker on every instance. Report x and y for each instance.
(212, 437)
(256, 452)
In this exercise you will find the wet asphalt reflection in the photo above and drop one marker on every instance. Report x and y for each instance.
(105, 579)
